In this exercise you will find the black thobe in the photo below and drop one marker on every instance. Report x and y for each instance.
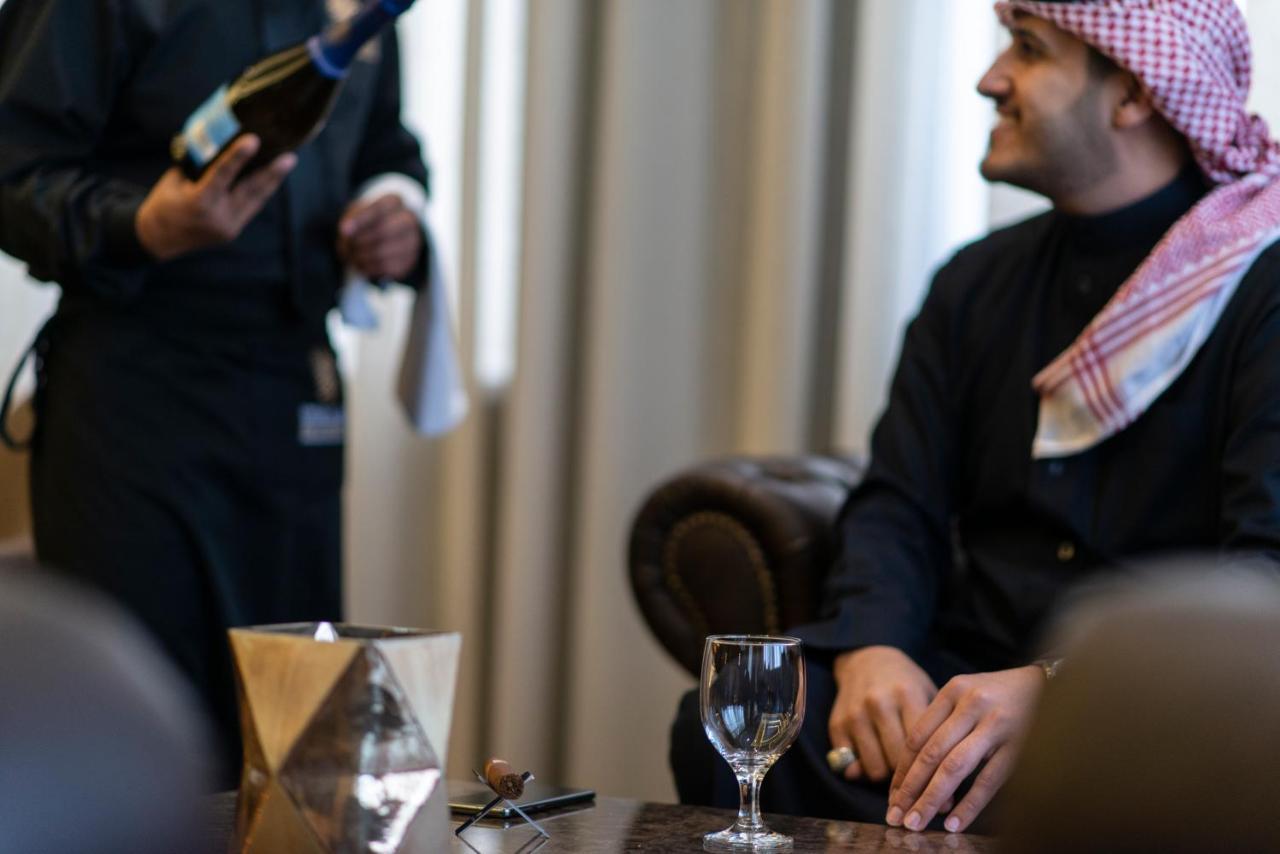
(188, 450)
(957, 544)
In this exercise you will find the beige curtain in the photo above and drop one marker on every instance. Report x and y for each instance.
(675, 175)
(919, 130)
(701, 287)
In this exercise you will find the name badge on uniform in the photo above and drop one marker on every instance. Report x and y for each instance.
(321, 426)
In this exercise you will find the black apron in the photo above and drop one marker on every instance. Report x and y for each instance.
(196, 481)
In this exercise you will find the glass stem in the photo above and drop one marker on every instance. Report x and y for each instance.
(749, 805)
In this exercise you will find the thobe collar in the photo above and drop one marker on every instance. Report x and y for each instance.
(1142, 223)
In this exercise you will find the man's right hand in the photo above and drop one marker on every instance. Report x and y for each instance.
(880, 694)
(180, 215)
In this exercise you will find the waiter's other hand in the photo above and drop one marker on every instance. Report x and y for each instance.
(180, 215)
(880, 692)
(380, 238)
(975, 718)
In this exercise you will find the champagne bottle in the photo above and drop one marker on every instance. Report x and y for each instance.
(284, 99)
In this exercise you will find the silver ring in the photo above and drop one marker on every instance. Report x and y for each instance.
(841, 758)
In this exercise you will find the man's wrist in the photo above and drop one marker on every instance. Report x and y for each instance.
(150, 235)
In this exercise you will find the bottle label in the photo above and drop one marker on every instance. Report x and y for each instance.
(210, 128)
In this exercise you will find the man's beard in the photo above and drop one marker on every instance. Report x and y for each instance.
(1074, 152)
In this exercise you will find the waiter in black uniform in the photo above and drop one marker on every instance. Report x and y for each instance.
(188, 451)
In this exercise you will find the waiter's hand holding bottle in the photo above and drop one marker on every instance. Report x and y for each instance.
(180, 215)
(275, 105)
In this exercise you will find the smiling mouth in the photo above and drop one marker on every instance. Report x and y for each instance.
(1004, 122)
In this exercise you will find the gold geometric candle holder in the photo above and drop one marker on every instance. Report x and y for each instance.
(344, 729)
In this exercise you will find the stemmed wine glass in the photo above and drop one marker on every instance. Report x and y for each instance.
(752, 699)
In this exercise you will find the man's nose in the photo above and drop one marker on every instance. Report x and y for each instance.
(995, 83)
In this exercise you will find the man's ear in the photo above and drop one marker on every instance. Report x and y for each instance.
(1135, 106)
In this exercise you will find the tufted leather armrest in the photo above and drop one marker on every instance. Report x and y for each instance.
(737, 545)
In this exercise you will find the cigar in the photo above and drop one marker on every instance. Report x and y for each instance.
(504, 781)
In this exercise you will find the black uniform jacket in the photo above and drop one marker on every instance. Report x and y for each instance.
(91, 94)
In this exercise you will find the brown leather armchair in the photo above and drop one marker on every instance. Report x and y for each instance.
(736, 545)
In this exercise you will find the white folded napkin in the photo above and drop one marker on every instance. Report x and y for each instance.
(430, 387)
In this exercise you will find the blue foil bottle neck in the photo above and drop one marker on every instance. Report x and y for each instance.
(333, 51)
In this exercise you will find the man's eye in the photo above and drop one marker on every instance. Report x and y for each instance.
(1025, 49)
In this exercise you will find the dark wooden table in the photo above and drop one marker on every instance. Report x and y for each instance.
(617, 825)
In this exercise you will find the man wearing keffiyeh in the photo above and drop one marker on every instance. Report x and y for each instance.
(1188, 63)
(1188, 74)
(1092, 386)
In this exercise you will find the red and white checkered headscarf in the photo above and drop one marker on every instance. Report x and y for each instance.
(1194, 57)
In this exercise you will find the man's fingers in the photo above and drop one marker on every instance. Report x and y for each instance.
(839, 731)
(870, 755)
(913, 708)
(223, 172)
(263, 182)
(908, 786)
(362, 215)
(929, 758)
(853, 771)
(986, 713)
(388, 253)
(958, 764)
(397, 226)
(838, 728)
(899, 771)
(390, 248)
(893, 738)
(928, 721)
(253, 192)
(926, 724)
(993, 775)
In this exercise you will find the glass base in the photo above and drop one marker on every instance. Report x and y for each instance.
(732, 840)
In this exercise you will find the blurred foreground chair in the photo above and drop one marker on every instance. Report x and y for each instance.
(102, 750)
(736, 545)
(1161, 731)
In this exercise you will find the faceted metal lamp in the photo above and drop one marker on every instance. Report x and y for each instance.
(345, 729)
